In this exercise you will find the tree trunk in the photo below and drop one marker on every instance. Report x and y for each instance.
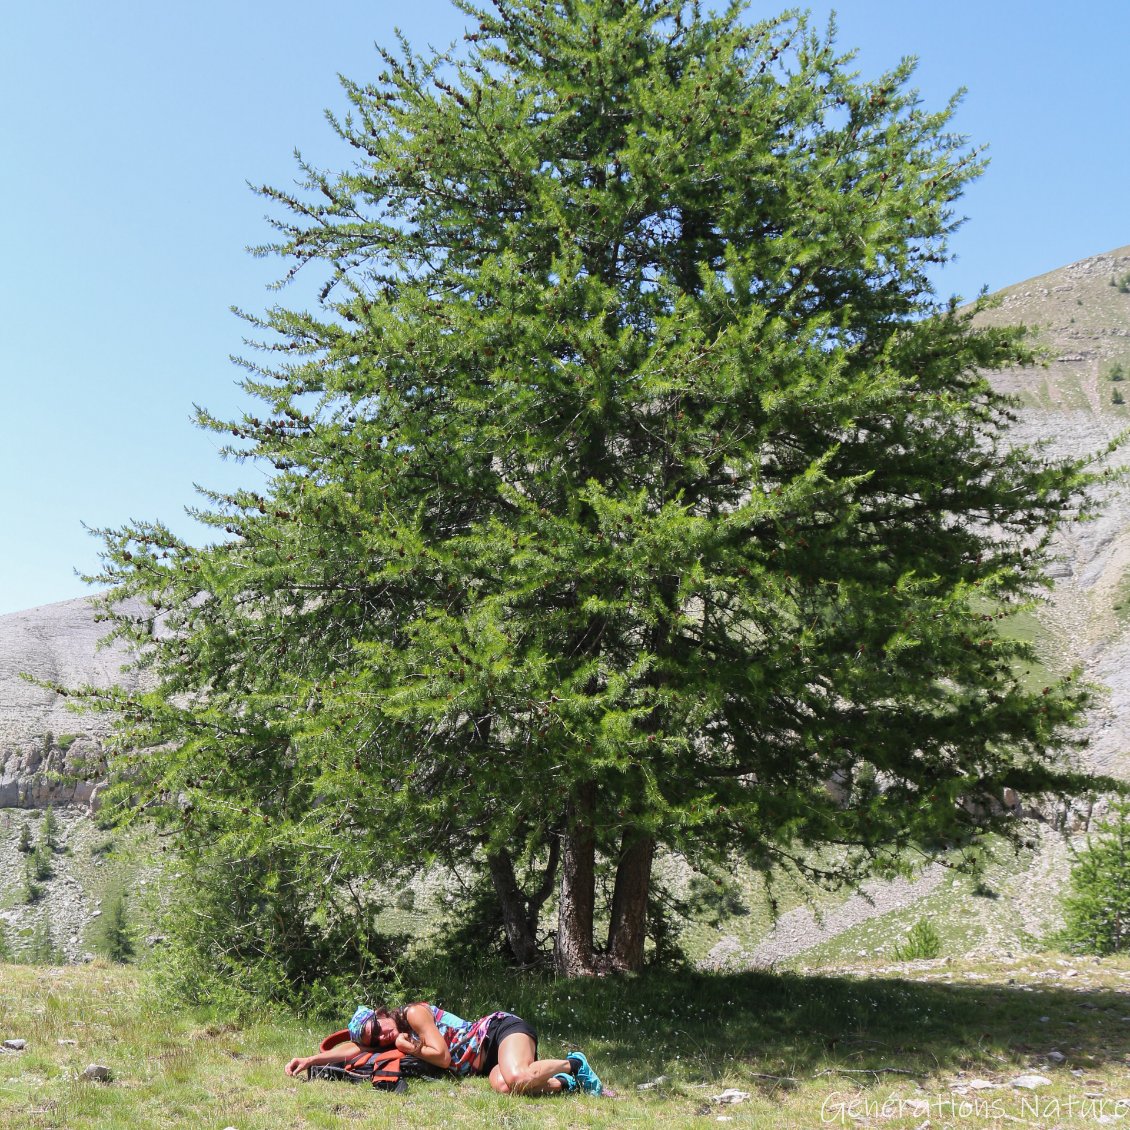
(572, 954)
(537, 900)
(520, 932)
(628, 928)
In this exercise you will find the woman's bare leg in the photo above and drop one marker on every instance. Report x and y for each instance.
(518, 1073)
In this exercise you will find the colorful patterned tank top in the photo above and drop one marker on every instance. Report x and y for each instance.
(464, 1038)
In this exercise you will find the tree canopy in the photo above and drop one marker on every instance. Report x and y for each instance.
(628, 487)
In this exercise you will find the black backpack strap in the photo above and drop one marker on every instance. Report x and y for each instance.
(335, 1073)
(412, 1067)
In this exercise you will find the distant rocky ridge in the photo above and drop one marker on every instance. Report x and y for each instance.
(1075, 404)
(49, 755)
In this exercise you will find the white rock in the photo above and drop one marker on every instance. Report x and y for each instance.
(731, 1095)
(1031, 1082)
(982, 1085)
(98, 1073)
(15, 1045)
(67, 1043)
(1056, 1057)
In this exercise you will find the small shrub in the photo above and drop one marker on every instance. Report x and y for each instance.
(1116, 397)
(49, 831)
(65, 741)
(40, 863)
(25, 844)
(5, 949)
(1097, 908)
(42, 949)
(1117, 373)
(112, 935)
(470, 931)
(32, 890)
(867, 780)
(666, 918)
(922, 942)
(246, 928)
(712, 896)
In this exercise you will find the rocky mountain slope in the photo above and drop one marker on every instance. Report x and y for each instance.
(1073, 404)
(50, 755)
(53, 758)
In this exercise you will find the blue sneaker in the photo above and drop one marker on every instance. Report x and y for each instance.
(568, 1083)
(586, 1077)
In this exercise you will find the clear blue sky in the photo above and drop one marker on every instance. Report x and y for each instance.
(129, 130)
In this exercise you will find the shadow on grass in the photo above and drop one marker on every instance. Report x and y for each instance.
(708, 1026)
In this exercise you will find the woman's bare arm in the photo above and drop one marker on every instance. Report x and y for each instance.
(337, 1054)
(425, 1040)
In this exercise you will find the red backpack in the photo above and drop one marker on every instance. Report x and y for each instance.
(386, 1068)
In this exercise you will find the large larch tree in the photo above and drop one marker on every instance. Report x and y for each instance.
(629, 488)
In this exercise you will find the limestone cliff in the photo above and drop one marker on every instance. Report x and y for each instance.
(50, 755)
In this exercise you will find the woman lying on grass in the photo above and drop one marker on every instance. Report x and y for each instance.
(501, 1046)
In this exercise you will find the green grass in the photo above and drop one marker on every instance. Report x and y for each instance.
(967, 911)
(1028, 627)
(803, 1046)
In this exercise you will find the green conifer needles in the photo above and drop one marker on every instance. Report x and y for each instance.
(1097, 907)
(628, 486)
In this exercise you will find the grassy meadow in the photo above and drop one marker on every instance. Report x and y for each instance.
(927, 1043)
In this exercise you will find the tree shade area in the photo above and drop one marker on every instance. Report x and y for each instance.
(627, 489)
